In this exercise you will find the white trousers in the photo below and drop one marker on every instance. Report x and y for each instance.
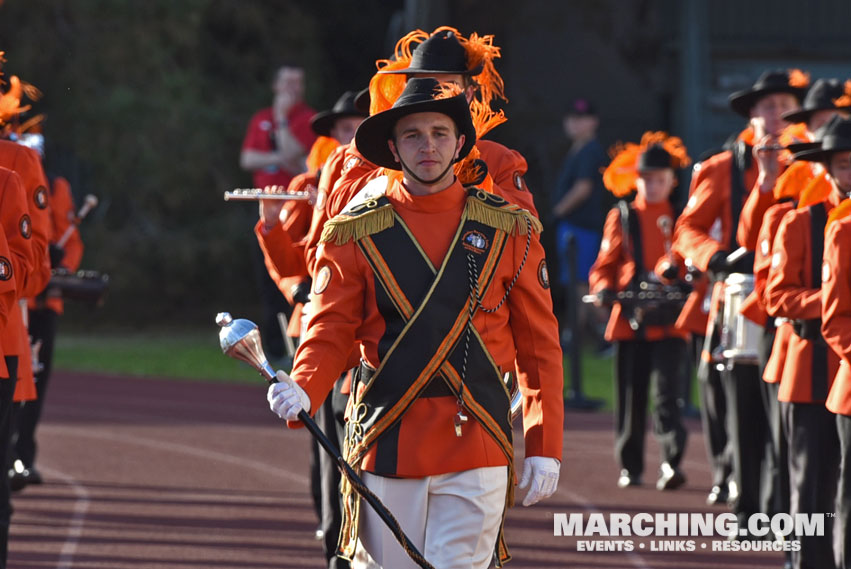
(453, 519)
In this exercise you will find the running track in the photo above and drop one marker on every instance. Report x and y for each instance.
(149, 474)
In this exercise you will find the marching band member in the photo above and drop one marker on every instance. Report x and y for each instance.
(281, 232)
(836, 321)
(421, 275)
(793, 291)
(635, 250)
(705, 234)
(44, 310)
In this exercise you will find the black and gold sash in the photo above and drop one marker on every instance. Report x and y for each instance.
(428, 313)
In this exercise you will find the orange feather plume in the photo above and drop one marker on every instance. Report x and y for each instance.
(10, 101)
(793, 180)
(816, 191)
(621, 174)
(839, 212)
(845, 99)
(798, 78)
(319, 152)
(385, 88)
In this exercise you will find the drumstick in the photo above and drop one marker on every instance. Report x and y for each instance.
(89, 204)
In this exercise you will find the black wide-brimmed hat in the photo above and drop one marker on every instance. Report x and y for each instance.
(441, 52)
(654, 158)
(770, 82)
(836, 138)
(820, 97)
(417, 97)
(818, 135)
(362, 100)
(323, 122)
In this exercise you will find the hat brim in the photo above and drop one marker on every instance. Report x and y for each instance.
(743, 101)
(819, 155)
(804, 115)
(417, 71)
(797, 147)
(374, 132)
(322, 122)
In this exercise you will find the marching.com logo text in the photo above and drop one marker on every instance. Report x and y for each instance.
(761, 532)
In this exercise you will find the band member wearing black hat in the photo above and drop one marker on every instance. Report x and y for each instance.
(636, 255)
(281, 232)
(468, 62)
(445, 289)
(705, 234)
(793, 291)
(835, 154)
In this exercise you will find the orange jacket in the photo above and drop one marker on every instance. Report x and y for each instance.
(283, 246)
(615, 267)
(62, 215)
(750, 222)
(27, 164)
(836, 309)
(522, 334)
(17, 225)
(790, 293)
(17, 231)
(704, 226)
(12, 262)
(754, 307)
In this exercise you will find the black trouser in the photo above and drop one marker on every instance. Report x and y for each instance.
(7, 392)
(713, 415)
(842, 536)
(330, 418)
(747, 426)
(813, 470)
(636, 362)
(42, 326)
(775, 494)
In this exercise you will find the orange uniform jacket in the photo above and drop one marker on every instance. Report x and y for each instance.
(757, 303)
(790, 293)
(704, 227)
(836, 310)
(698, 234)
(14, 222)
(522, 334)
(283, 246)
(62, 214)
(17, 226)
(615, 267)
(27, 164)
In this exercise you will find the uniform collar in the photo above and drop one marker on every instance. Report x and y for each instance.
(451, 198)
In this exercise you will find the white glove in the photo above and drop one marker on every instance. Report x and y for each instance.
(542, 472)
(286, 398)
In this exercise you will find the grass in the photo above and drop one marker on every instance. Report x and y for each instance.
(195, 355)
(184, 355)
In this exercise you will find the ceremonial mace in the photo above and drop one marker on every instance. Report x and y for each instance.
(89, 204)
(240, 340)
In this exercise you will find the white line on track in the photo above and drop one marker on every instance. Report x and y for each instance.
(78, 518)
(634, 558)
(160, 445)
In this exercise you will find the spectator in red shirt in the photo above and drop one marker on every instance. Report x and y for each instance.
(279, 137)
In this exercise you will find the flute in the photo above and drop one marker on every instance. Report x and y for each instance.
(267, 193)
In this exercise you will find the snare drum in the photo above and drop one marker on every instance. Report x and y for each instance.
(739, 336)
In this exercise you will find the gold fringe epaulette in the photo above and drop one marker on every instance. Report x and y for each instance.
(364, 219)
(493, 211)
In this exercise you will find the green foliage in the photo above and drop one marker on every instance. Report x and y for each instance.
(147, 104)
